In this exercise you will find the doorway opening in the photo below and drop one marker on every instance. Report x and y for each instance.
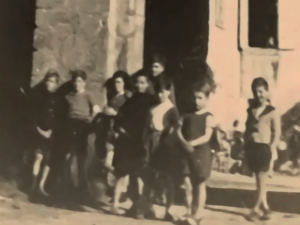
(178, 30)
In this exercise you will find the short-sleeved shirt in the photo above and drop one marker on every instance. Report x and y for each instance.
(80, 106)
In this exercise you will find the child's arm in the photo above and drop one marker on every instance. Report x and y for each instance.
(276, 128)
(95, 110)
(208, 133)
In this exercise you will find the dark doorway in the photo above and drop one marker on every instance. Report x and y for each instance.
(17, 23)
(178, 29)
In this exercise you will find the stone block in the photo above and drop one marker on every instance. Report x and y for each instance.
(42, 38)
(48, 4)
(92, 6)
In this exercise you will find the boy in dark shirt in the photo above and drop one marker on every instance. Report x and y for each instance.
(131, 156)
(46, 119)
(81, 109)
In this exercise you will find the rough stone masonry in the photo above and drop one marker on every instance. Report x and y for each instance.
(98, 36)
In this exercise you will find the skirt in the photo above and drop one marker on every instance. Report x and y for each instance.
(258, 156)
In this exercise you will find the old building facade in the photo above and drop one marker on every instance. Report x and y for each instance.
(102, 36)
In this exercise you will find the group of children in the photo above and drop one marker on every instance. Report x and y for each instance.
(143, 138)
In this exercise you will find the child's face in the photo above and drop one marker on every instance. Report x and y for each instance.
(119, 85)
(79, 84)
(163, 95)
(200, 100)
(157, 69)
(261, 94)
(51, 84)
(142, 84)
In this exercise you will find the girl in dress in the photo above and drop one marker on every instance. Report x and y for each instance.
(261, 138)
(196, 131)
(46, 115)
(117, 94)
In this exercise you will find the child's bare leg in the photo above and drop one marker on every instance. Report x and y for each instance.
(264, 203)
(188, 194)
(74, 170)
(36, 169)
(200, 203)
(44, 177)
(82, 167)
(170, 187)
(109, 156)
(261, 191)
(119, 187)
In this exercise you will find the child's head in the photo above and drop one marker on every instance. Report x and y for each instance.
(142, 83)
(120, 80)
(158, 65)
(79, 78)
(51, 81)
(260, 90)
(201, 95)
(163, 91)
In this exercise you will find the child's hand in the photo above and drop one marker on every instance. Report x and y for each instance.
(122, 130)
(46, 134)
(296, 128)
(109, 111)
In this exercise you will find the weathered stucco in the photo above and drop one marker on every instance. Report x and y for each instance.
(98, 36)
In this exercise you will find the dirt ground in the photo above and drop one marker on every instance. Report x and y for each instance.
(229, 197)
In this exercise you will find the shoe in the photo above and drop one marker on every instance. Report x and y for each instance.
(193, 221)
(266, 214)
(115, 211)
(169, 217)
(253, 216)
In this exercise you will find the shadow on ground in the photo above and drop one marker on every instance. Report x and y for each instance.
(278, 201)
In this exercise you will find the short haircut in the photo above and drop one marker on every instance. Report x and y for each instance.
(203, 87)
(158, 58)
(259, 82)
(142, 74)
(78, 74)
(50, 74)
(162, 84)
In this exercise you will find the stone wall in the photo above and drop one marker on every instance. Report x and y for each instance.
(98, 36)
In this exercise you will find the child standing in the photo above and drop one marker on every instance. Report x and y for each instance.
(46, 121)
(261, 139)
(197, 130)
(117, 94)
(163, 120)
(130, 154)
(81, 109)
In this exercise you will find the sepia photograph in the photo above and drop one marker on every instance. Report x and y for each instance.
(149, 112)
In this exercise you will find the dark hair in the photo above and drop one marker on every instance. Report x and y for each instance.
(125, 77)
(162, 84)
(158, 58)
(50, 74)
(204, 87)
(78, 74)
(259, 82)
(141, 73)
(235, 123)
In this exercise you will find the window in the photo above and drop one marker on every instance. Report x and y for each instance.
(263, 23)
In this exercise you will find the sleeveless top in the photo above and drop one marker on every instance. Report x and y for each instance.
(194, 126)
